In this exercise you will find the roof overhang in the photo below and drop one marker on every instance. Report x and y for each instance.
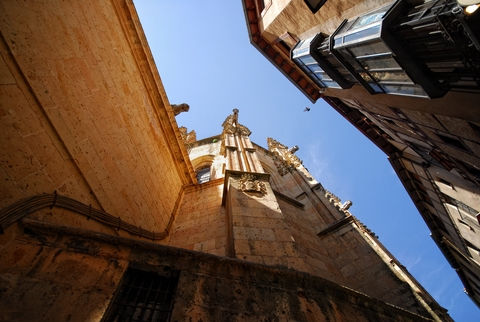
(285, 66)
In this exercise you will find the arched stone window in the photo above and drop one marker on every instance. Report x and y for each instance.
(203, 175)
(203, 168)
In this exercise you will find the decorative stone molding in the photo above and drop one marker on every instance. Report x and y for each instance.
(337, 202)
(283, 157)
(231, 125)
(346, 205)
(251, 183)
(256, 188)
(334, 200)
(187, 137)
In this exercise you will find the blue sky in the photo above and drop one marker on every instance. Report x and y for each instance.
(205, 59)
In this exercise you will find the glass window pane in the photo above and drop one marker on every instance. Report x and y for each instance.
(303, 47)
(375, 87)
(317, 76)
(375, 47)
(203, 175)
(369, 18)
(314, 68)
(307, 59)
(300, 52)
(331, 84)
(375, 30)
(365, 76)
(413, 90)
(346, 55)
(380, 63)
(395, 76)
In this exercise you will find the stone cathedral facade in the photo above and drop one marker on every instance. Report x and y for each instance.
(110, 212)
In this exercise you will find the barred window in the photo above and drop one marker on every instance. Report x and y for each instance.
(143, 296)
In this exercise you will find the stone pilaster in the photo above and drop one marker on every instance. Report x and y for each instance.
(256, 227)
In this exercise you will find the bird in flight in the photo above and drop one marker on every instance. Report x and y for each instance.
(307, 109)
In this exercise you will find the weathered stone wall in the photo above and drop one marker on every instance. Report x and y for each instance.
(344, 257)
(83, 112)
(33, 157)
(259, 231)
(42, 281)
(200, 223)
(285, 15)
(280, 228)
(45, 270)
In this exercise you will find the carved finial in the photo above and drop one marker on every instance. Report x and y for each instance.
(346, 205)
(284, 158)
(177, 109)
(235, 117)
(293, 149)
(231, 125)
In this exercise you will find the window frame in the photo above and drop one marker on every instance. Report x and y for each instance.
(163, 295)
(302, 52)
(199, 173)
(402, 76)
(314, 8)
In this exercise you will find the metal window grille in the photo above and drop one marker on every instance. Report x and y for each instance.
(143, 296)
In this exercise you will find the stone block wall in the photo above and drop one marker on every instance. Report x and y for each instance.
(83, 111)
(200, 222)
(44, 269)
(259, 231)
(345, 257)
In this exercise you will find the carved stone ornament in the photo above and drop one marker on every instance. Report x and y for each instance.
(337, 202)
(250, 183)
(283, 157)
(231, 125)
(180, 108)
(187, 137)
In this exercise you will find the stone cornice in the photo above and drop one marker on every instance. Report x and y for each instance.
(283, 64)
(135, 36)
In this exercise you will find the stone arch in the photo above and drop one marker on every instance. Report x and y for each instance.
(200, 164)
(202, 161)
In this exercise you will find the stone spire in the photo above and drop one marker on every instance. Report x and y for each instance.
(231, 125)
(239, 151)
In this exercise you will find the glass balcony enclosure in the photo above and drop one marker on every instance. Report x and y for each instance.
(301, 55)
(443, 39)
(359, 46)
(420, 48)
(321, 52)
